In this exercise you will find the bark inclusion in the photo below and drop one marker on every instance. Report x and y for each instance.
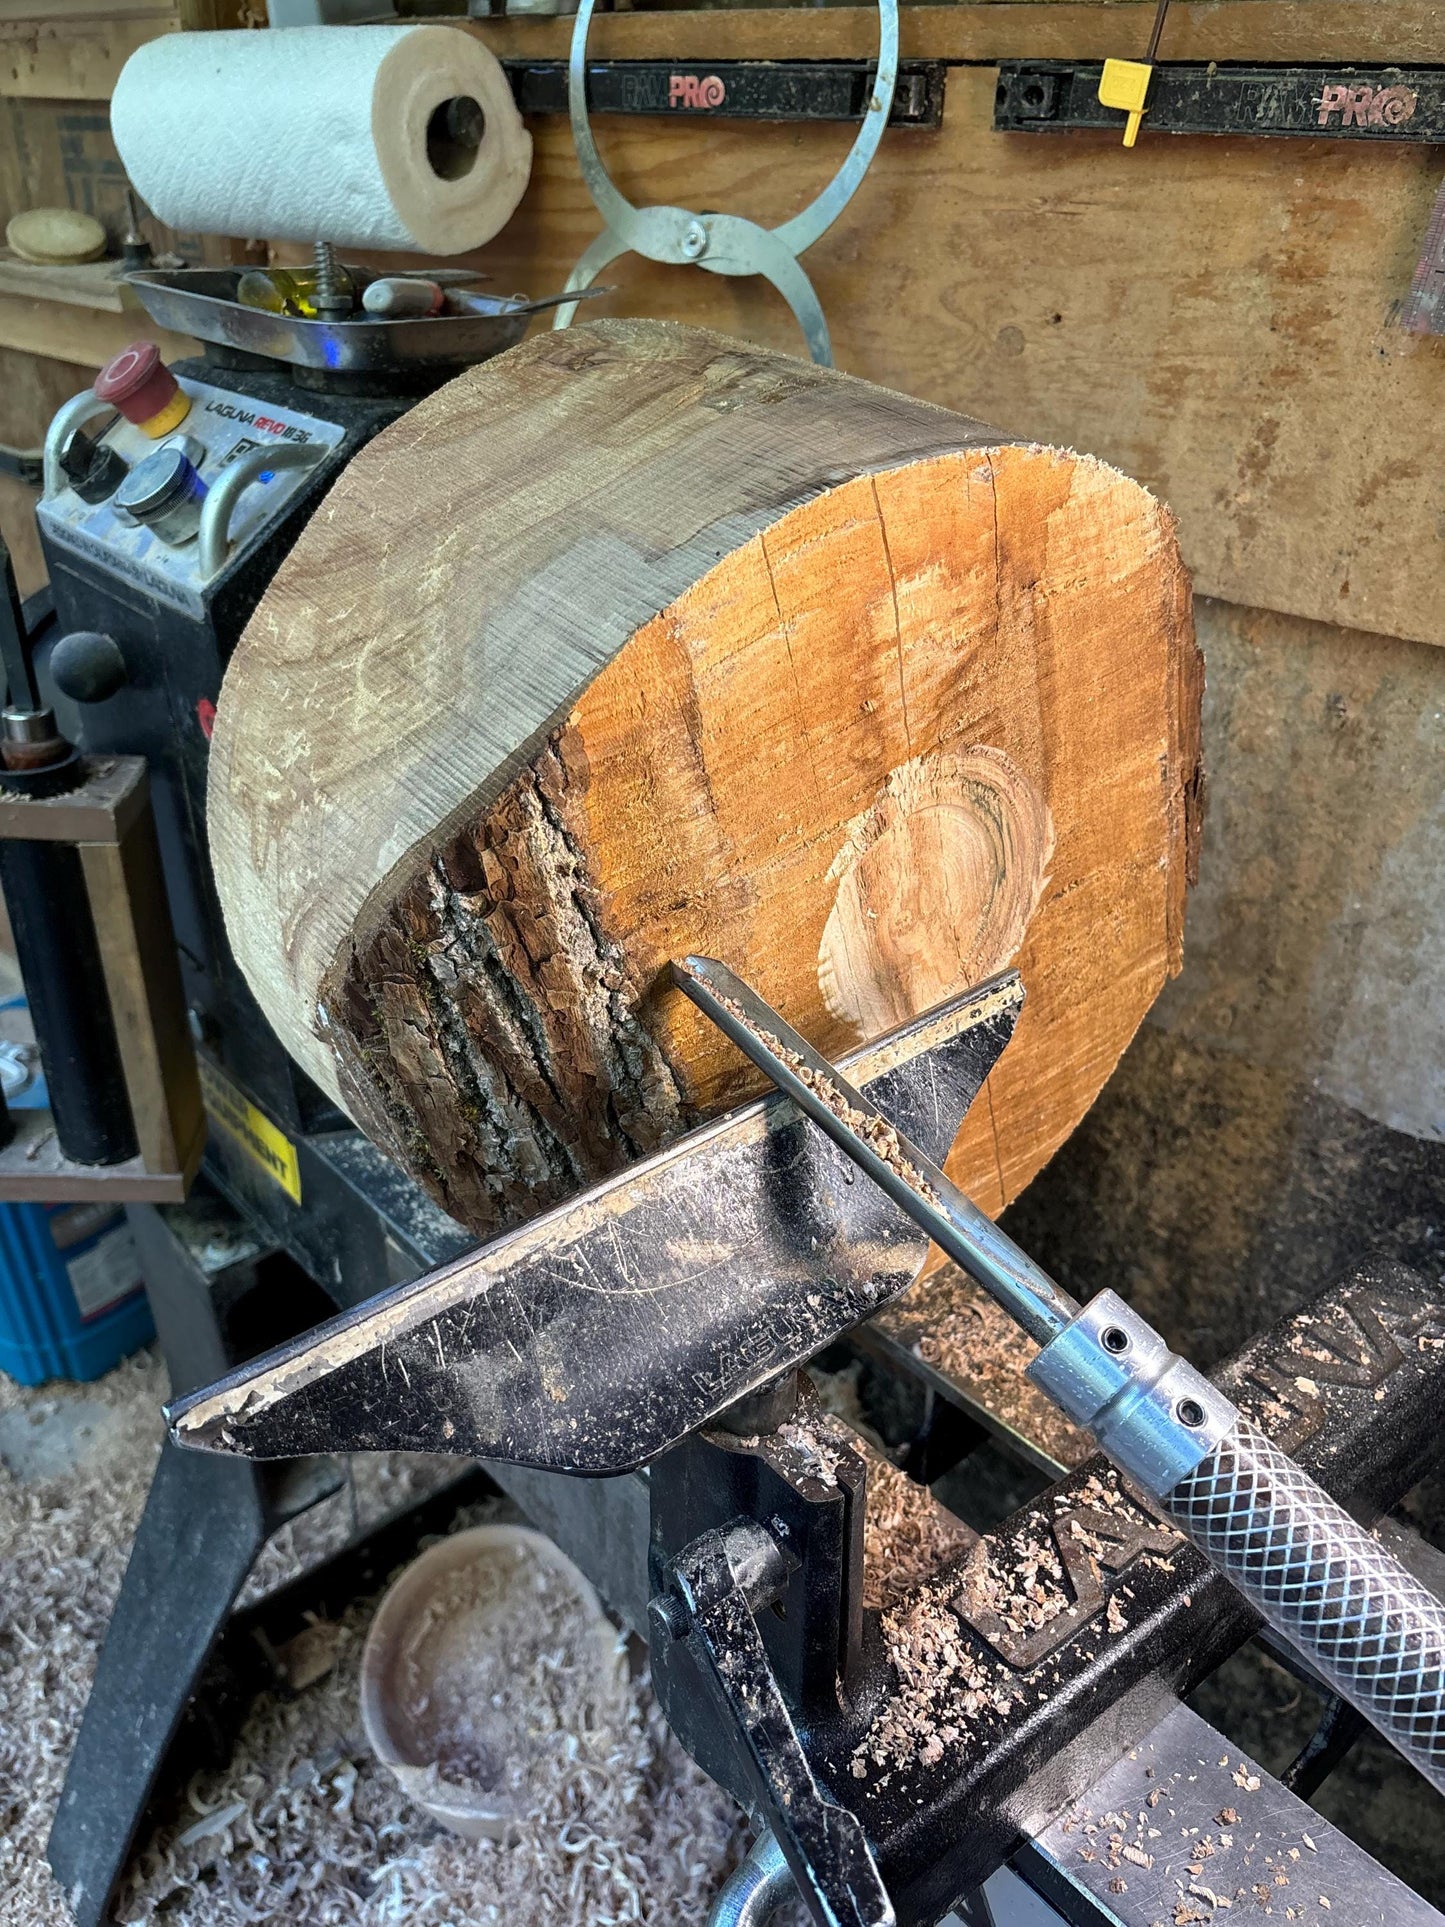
(492, 1029)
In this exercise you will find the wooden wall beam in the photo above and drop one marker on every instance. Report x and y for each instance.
(63, 331)
(61, 50)
(75, 49)
(1217, 317)
(1004, 30)
(70, 60)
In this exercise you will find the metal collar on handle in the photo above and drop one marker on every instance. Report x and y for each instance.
(724, 243)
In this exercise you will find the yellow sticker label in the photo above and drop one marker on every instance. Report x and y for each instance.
(250, 1130)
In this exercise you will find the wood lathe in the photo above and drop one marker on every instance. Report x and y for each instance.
(635, 642)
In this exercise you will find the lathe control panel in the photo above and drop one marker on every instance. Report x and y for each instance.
(141, 504)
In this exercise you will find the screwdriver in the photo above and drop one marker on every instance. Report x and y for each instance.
(413, 297)
(1125, 83)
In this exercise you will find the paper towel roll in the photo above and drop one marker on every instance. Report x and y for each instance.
(359, 135)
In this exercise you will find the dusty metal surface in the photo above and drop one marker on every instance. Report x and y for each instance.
(597, 1335)
(881, 1148)
(1185, 1826)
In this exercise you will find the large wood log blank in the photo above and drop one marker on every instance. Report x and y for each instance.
(640, 640)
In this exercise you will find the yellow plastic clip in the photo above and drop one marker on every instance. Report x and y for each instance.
(1125, 84)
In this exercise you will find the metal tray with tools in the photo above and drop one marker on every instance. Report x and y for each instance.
(202, 302)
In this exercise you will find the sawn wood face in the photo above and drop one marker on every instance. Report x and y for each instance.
(640, 641)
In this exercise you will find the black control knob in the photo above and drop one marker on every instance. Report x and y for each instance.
(87, 666)
(94, 471)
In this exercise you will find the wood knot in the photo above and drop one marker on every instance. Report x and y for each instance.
(937, 881)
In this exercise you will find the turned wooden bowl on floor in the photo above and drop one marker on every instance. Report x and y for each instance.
(490, 1660)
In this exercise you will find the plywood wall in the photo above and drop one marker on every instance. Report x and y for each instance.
(1283, 1113)
(1217, 316)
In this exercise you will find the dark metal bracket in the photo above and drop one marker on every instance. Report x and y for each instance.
(718, 1587)
(814, 1506)
(767, 90)
(1316, 102)
(742, 1552)
(601, 1333)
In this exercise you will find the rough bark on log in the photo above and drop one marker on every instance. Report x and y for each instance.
(639, 640)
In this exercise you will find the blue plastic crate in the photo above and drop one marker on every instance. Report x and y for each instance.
(72, 1301)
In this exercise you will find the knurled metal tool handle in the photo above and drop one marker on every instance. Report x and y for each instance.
(1369, 1628)
(1373, 1632)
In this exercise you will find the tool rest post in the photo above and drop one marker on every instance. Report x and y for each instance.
(50, 914)
(59, 958)
(764, 1410)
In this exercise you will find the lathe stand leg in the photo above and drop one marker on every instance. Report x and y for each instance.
(205, 1520)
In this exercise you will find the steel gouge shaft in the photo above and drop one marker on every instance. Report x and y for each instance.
(912, 1180)
(1369, 1627)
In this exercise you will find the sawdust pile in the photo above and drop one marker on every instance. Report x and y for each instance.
(304, 1827)
(63, 1546)
(953, 1325)
(944, 1689)
(907, 1535)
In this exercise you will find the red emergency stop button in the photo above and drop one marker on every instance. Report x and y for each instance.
(139, 384)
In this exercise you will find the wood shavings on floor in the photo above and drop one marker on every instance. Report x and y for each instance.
(303, 1826)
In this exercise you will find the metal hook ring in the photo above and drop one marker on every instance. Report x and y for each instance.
(669, 235)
